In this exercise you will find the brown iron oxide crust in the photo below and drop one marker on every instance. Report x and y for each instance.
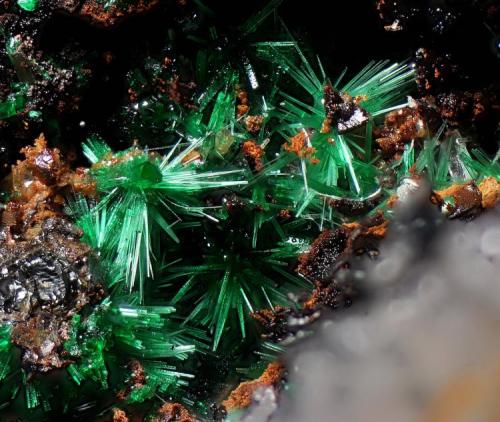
(107, 17)
(253, 154)
(400, 127)
(241, 397)
(274, 322)
(467, 200)
(173, 412)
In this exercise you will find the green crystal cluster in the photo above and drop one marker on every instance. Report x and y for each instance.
(447, 161)
(28, 5)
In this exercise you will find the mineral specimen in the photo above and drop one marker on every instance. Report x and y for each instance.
(45, 277)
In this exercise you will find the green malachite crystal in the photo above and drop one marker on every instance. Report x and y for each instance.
(28, 5)
(143, 196)
(11, 106)
(5, 351)
(34, 114)
(15, 102)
